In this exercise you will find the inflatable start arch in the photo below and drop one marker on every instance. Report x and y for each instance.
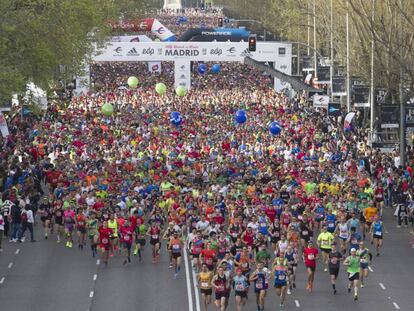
(147, 24)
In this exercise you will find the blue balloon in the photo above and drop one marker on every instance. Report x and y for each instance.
(241, 112)
(175, 118)
(183, 19)
(241, 116)
(202, 68)
(275, 128)
(216, 68)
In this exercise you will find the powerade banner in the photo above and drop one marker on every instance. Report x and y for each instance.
(148, 24)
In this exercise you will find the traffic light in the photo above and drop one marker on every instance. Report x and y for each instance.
(220, 22)
(252, 43)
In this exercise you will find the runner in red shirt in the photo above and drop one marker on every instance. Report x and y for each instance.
(105, 234)
(310, 254)
(81, 228)
(127, 232)
(208, 256)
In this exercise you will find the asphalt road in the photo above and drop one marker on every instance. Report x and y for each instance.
(45, 276)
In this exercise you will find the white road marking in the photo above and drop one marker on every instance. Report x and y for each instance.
(382, 286)
(98, 262)
(297, 303)
(196, 293)
(396, 306)
(370, 269)
(95, 276)
(2, 280)
(91, 294)
(10, 265)
(17, 251)
(187, 276)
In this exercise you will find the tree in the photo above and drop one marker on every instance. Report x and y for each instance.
(393, 31)
(39, 38)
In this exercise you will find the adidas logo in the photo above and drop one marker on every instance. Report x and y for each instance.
(246, 52)
(133, 52)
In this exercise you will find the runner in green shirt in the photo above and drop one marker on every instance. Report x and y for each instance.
(353, 263)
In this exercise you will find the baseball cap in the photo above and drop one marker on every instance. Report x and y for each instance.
(353, 249)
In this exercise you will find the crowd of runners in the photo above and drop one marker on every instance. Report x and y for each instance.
(246, 205)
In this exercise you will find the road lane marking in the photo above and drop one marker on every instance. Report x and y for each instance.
(98, 262)
(187, 276)
(10, 265)
(95, 276)
(382, 286)
(396, 306)
(2, 280)
(370, 269)
(91, 294)
(297, 303)
(197, 295)
(17, 251)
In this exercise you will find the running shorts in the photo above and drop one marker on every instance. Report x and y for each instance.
(353, 277)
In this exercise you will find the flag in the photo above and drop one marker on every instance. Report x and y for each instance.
(3, 126)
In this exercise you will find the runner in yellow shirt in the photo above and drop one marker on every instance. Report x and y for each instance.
(325, 240)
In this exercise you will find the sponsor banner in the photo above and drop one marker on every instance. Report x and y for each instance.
(277, 52)
(138, 38)
(390, 116)
(324, 75)
(320, 101)
(338, 86)
(361, 96)
(154, 67)
(334, 109)
(3, 126)
(182, 73)
(283, 63)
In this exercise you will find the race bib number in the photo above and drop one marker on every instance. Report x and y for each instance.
(311, 257)
(204, 284)
(378, 233)
(334, 260)
(325, 243)
(105, 241)
(305, 232)
(209, 261)
(239, 287)
(154, 236)
(245, 264)
(220, 288)
(331, 225)
(363, 260)
(176, 247)
(259, 285)
(281, 277)
(126, 238)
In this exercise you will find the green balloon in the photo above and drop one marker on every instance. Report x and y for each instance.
(133, 82)
(160, 88)
(107, 109)
(181, 91)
